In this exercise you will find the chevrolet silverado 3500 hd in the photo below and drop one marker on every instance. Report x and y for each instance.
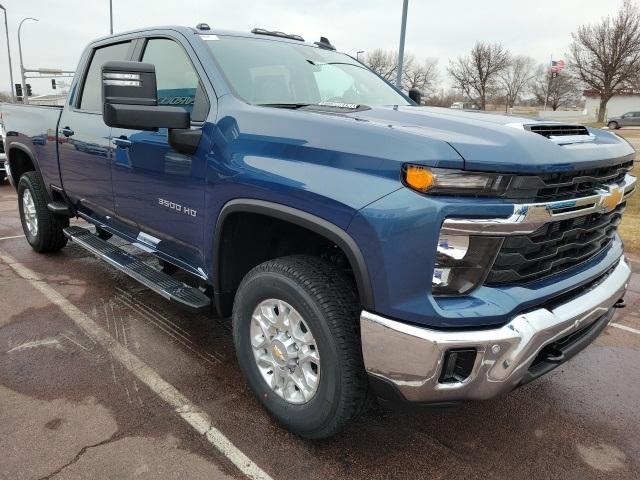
(364, 245)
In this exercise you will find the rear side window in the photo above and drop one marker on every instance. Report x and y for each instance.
(176, 78)
(91, 99)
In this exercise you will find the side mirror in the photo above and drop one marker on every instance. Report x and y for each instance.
(415, 95)
(130, 99)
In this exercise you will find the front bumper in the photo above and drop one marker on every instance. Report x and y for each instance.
(411, 358)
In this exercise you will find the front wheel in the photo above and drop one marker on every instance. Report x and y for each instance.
(296, 333)
(613, 125)
(42, 228)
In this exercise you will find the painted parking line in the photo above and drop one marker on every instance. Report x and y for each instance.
(9, 238)
(624, 327)
(189, 412)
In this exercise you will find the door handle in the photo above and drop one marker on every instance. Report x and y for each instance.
(122, 142)
(66, 131)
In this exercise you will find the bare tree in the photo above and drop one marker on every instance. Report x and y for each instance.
(444, 98)
(606, 56)
(383, 62)
(477, 74)
(422, 76)
(556, 92)
(516, 78)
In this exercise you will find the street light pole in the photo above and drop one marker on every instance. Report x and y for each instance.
(25, 97)
(403, 30)
(110, 17)
(6, 28)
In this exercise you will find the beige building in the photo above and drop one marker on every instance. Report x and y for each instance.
(620, 104)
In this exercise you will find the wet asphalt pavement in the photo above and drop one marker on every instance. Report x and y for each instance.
(70, 409)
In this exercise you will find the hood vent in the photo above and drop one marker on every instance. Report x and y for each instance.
(561, 134)
(558, 130)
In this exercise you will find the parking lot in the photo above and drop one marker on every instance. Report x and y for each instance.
(99, 378)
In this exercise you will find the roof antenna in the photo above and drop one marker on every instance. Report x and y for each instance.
(325, 43)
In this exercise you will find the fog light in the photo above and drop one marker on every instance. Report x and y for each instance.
(458, 365)
(462, 262)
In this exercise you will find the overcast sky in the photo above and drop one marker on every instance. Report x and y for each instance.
(436, 28)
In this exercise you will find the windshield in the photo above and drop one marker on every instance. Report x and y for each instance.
(268, 72)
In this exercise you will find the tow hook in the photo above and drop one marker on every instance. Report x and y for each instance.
(619, 304)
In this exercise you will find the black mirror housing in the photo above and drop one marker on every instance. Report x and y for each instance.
(415, 95)
(130, 99)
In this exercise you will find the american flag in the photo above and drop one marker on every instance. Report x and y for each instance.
(557, 65)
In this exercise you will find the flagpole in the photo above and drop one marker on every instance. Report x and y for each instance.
(546, 96)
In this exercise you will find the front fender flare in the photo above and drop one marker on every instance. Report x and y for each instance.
(303, 219)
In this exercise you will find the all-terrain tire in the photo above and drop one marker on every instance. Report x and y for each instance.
(49, 236)
(328, 303)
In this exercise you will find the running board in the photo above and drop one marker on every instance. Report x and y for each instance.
(188, 297)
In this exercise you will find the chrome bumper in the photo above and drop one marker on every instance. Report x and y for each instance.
(411, 358)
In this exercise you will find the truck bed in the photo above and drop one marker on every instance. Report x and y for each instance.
(33, 128)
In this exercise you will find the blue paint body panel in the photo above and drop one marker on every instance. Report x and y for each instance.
(342, 168)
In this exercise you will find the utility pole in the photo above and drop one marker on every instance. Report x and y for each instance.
(25, 97)
(6, 29)
(110, 17)
(403, 30)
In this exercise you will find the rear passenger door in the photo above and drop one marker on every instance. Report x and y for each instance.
(83, 137)
(156, 188)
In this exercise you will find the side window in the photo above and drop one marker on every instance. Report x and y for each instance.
(177, 81)
(91, 99)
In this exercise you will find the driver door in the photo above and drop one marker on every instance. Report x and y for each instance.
(159, 190)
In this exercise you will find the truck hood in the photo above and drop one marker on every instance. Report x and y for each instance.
(501, 143)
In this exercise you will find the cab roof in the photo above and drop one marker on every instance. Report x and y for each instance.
(187, 31)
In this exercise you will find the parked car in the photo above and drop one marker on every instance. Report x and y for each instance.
(629, 119)
(3, 156)
(363, 245)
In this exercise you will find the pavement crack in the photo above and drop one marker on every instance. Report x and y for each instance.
(116, 436)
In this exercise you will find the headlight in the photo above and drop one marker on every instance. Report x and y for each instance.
(462, 263)
(444, 181)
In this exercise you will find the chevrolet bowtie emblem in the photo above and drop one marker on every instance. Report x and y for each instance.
(611, 199)
(277, 353)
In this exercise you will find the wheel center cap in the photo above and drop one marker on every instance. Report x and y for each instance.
(279, 352)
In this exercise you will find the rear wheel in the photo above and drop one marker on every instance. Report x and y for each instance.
(42, 229)
(613, 125)
(296, 332)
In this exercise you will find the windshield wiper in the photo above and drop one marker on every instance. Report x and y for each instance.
(292, 106)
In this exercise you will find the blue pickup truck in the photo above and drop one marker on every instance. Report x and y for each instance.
(364, 246)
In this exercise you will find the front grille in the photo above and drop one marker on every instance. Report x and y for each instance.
(551, 187)
(558, 130)
(554, 247)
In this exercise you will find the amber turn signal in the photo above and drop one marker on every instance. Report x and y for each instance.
(418, 178)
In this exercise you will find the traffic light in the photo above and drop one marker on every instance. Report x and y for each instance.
(29, 92)
(53, 83)
(18, 90)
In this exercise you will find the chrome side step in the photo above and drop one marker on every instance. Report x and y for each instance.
(184, 295)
